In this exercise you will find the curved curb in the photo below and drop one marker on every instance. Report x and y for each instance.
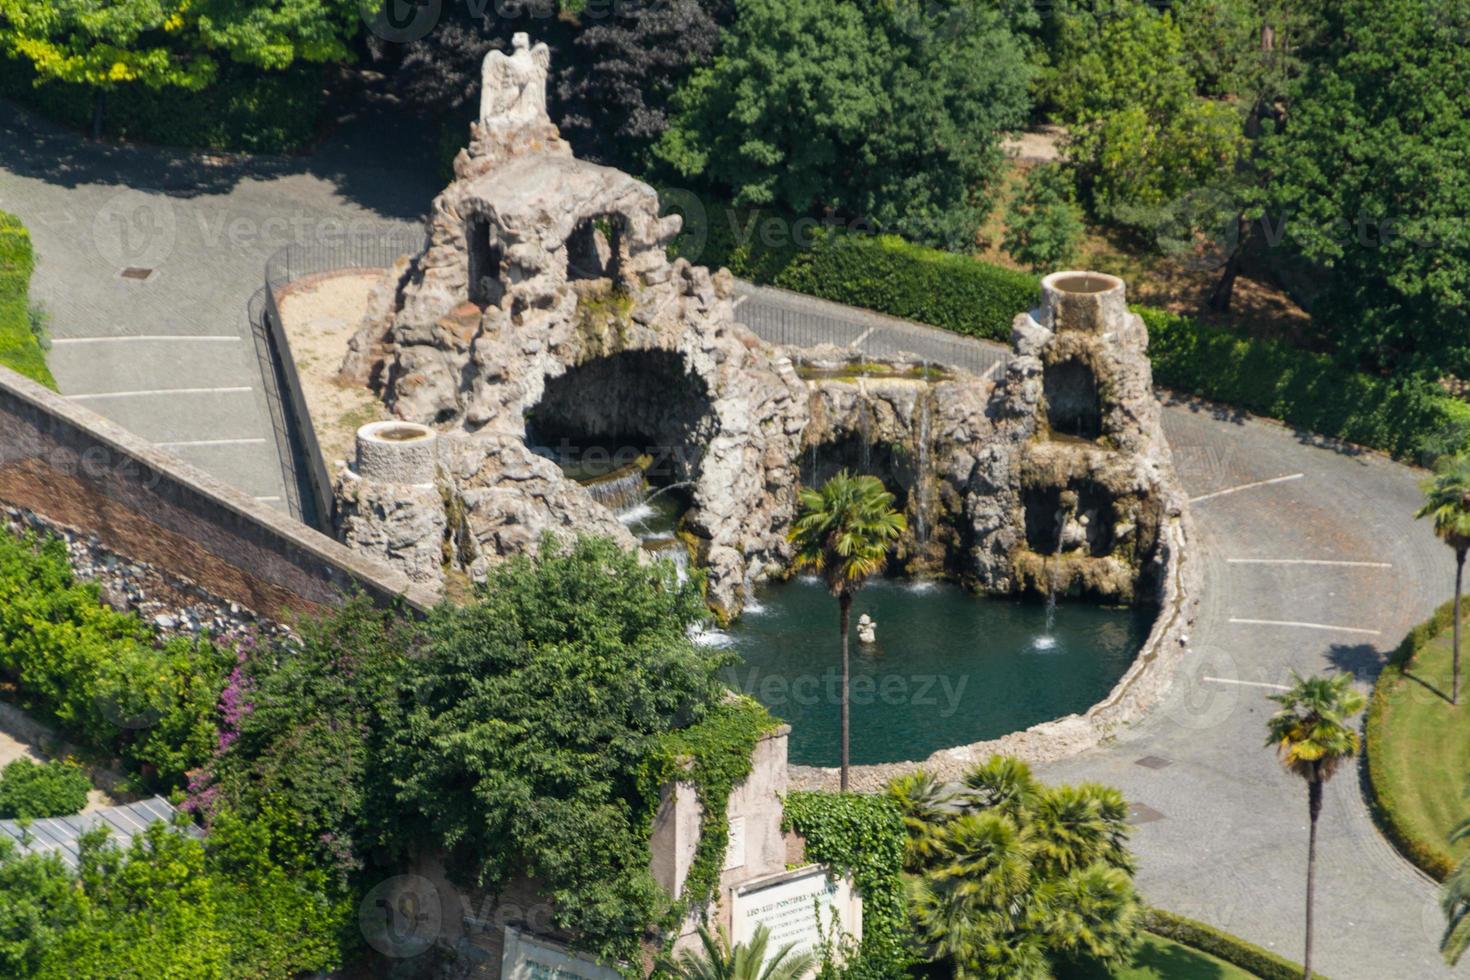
(1135, 694)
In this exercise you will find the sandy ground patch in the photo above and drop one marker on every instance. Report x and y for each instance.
(320, 315)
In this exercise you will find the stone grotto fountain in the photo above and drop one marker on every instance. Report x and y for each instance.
(564, 371)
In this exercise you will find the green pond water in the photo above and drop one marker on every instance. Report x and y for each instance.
(948, 667)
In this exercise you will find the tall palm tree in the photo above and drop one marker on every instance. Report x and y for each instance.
(844, 531)
(1312, 737)
(1447, 500)
(746, 961)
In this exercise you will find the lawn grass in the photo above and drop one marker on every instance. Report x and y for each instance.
(1159, 959)
(19, 349)
(1420, 745)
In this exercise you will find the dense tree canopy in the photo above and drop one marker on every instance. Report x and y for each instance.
(821, 106)
(1141, 136)
(1371, 175)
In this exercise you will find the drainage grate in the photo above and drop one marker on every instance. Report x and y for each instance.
(1141, 813)
(1153, 762)
(133, 272)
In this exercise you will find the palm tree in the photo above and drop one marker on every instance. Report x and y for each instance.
(844, 531)
(747, 961)
(1447, 500)
(927, 806)
(1455, 900)
(1312, 738)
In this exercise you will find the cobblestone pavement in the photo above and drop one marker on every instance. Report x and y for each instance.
(1312, 559)
(171, 356)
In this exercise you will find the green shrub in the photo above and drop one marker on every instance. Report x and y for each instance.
(20, 347)
(881, 273)
(30, 791)
(1430, 856)
(1232, 949)
(863, 836)
(98, 672)
(1407, 417)
(244, 109)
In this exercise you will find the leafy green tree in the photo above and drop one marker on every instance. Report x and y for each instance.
(105, 46)
(1021, 873)
(525, 719)
(1044, 224)
(30, 791)
(1140, 135)
(926, 803)
(717, 960)
(38, 902)
(275, 35)
(1447, 501)
(1312, 737)
(1369, 173)
(844, 531)
(827, 106)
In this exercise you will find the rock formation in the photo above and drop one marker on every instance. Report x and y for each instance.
(543, 315)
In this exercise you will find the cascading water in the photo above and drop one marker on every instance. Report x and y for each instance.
(921, 483)
(620, 489)
(865, 426)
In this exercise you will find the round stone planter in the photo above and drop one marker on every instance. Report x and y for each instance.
(1090, 302)
(397, 452)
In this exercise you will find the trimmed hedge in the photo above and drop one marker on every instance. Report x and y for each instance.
(1232, 949)
(1409, 418)
(1429, 856)
(877, 272)
(19, 348)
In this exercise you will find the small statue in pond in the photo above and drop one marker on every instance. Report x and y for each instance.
(867, 629)
(513, 86)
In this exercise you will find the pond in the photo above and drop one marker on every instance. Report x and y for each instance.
(948, 667)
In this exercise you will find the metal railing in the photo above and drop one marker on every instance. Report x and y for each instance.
(802, 321)
(292, 264)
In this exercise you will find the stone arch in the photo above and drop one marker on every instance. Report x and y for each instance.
(613, 410)
(597, 247)
(486, 273)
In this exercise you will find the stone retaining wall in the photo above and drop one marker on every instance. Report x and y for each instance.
(73, 469)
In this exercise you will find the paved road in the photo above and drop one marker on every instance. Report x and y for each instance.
(1311, 558)
(172, 356)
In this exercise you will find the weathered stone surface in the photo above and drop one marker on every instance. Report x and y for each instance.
(544, 291)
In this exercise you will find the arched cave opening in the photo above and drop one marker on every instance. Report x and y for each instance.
(893, 464)
(595, 249)
(632, 427)
(487, 283)
(1073, 406)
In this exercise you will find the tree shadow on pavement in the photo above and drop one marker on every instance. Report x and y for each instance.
(382, 159)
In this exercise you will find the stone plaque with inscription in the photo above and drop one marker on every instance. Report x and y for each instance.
(528, 958)
(788, 904)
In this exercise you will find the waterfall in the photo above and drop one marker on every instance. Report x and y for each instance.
(1047, 640)
(921, 483)
(619, 490)
(672, 550)
(864, 426)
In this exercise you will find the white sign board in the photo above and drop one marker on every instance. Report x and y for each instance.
(788, 905)
(534, 959)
